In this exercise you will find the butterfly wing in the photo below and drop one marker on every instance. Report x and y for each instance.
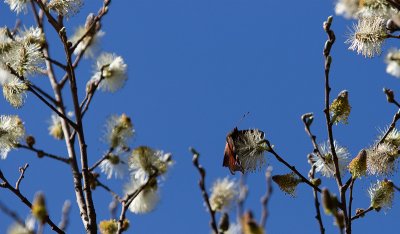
(230, 160)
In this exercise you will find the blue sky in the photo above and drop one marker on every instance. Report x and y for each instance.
(195, 67)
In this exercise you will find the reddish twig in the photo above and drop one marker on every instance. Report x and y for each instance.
(5, 184)
(318, 216)
(202, 186)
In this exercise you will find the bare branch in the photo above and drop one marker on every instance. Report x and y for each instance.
(21, 176)
(362, 213)
(66, 129)
(105, 187)
(105, 156)
(17, 192)
(329, 123)
(128, 199)
(202, 186)
(292, 168)
(41, 153)
(351, 202)
(311, 175)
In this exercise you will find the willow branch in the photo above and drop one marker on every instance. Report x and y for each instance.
(5, 184)
(105, 156)
(92, 26)
(318, 216)
(313, 138)
(202, 186)
(292, 168)
(84, 106)
(21, 175)
(362, 213)
(101, 13)
(66, 129)
(44, 93)
(105, 187)
(329, 123)
(41, 153)
(266, 198)
(396, 117)
(128, 199)
(350, 202)
(57, 63)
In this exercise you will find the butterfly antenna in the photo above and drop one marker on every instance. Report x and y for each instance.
(244, 116)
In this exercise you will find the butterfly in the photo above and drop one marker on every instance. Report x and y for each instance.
(232, 153)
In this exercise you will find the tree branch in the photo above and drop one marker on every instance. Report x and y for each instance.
(105, 156)
(128, 199)
(361, 214)
(17, 192)
(350, 202)
(311, 175)
(21, 176)
(66, 129)
(105, 187)
(329, 123)
(202, 186)
(41, 153)
(292, 168)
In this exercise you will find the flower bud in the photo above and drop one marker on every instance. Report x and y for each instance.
(358, 166)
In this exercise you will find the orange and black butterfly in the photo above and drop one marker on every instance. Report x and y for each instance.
(231, 154)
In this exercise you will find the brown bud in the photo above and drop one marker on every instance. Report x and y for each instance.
(30, 141)
(389, 95)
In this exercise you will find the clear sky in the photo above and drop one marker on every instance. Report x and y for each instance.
(195, 67)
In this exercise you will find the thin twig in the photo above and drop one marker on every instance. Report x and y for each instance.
(202, 186)
(396, 187)
(66, 129)
(84, 106)
(73, 125)
(329, 123)
(7, 185)
(361, 214)
(44, 93)
(21, 176)
(41, 153)
(266, 198)
(128, 199)
(292, 168)
(105, 156)
(103, 10)
(105, 187)
(351, 201)
(57, 63)
(318, 216)
(396, 117)
(305, 118)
